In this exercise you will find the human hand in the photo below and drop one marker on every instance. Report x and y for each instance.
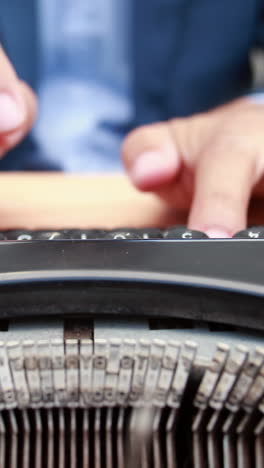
(17, 106)
(211, 164)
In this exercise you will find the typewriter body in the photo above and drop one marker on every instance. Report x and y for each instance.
(131, 347)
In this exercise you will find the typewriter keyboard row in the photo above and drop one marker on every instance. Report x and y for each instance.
(172, 233)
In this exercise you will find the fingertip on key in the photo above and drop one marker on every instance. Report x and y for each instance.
(217, 233)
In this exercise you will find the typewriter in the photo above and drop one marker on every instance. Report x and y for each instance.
(132, 347)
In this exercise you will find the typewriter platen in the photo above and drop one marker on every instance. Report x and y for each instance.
(131, 347)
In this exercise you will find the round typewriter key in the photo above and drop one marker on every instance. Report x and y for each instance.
(19, 235)
(84, 234)
(48, 235)
(151, 233)
(144, 234)
(182, 233)
(255, 232)
(123, 235)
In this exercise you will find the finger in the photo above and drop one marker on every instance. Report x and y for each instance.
(16, 101)
(224, 178)
(11, 139)
(31, 105)
(178, 193)
(151, 157)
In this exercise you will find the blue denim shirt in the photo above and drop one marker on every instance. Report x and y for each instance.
(85, 95)
(186, 57)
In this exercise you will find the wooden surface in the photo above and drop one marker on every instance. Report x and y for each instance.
(55, 200)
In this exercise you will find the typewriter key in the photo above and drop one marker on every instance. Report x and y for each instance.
(18, 235)
(255, 232)
(149, 233)
(182, 233)
(84, 234)
(123, 234)
(48, 235)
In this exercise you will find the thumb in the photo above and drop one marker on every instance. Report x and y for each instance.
(151, 156)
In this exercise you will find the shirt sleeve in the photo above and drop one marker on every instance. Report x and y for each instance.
(257, 97)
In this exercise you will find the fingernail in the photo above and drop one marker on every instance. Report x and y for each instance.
(217, 233)
(155, 166)
(11, 115)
